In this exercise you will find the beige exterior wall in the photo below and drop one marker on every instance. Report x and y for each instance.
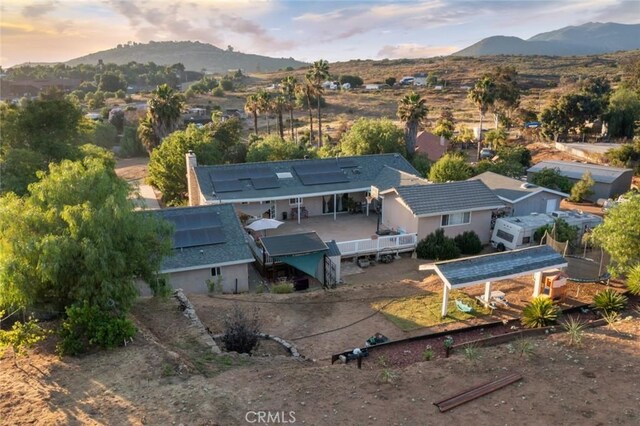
(195, 281)
(395, 215)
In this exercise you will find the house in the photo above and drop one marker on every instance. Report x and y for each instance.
(431, 146)
(209, 247)
(294, 189)
(522, 198)
(610, 182)
(455, 207)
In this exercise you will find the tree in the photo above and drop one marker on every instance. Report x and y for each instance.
(288, 89)
(561, 231)
(62, 247)
(111, 82)
(619, 235)
(372, 136)
(252, 106)
(450, 167)
(278, 105)
(318, 73)
(274, 148)
(582, 189)
(482, 95)
(390, 81)
(555, 121)
(353, 80)
(623, 113)
(265, 106)
(163, 116)
(412, 110)
(552, 179)
(306, 90)
(508, 168)
(445, 125)
(507, 94)
(496, 137)
(116, 118)
(464, 136)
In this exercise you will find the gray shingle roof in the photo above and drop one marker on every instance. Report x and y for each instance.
(511, 189)
(234, 249)
(494, 267)
(572, 170)
(363, 172)
(293, 244)
(439, 198)
(392, 178)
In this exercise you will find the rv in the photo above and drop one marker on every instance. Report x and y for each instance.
(516, 232)
(406, 81)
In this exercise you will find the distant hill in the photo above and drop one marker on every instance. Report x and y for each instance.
(588, 39)
(194, 55)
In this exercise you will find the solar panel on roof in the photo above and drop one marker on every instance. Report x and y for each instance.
(230, 173)
(227, 186)
(198, 237)
(203, 220)
(265, 183)
(346, 163)
(315, 167)
(323, 178)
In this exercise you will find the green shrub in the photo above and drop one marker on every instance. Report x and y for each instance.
(582, 189)
(575, 330)
(131, 145)
(609, 300)
(541, 312)
(437, 246)
(88, 326)
(633, 280)
(240, 331)
(468, 242)
(218, 92)
(21, 337)
(283, 287)
(427, 354)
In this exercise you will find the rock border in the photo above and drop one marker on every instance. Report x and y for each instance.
(290, 347)
(190, 312)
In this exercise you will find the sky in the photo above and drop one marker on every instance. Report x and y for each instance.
(338, 30)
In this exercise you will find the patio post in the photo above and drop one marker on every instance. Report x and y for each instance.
(487, 292)
(537, 281)
(335, 197)
(299, 202)
(445, 300)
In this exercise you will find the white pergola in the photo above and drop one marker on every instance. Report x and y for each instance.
(488, 268)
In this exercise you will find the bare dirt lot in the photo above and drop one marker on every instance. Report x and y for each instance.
(165, 376)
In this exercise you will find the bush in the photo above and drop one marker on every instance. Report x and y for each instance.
(90, 326)
(633, 280)
(541, 312)
(582, 189)
(437, 246)
(21, 337)
(609, 300)
(283, 287)
(240, 331)
(131, 145)
(468, 242)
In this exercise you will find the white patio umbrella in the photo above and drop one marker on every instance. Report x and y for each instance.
(264, 224)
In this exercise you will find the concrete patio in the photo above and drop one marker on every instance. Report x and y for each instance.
(346, 227)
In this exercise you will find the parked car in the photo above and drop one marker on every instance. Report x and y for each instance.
(487, 154)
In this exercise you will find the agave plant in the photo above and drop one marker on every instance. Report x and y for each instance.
(633, 280)
(609, 300)
(539, 313)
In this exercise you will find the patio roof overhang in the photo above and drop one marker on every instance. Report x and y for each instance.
(293, 244)
(220, 198)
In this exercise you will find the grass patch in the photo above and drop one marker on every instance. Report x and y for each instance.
(414, 312)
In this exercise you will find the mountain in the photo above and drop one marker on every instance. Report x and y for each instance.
(194, 55)
(588, 39)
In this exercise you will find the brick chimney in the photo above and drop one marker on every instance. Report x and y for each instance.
(192, 182)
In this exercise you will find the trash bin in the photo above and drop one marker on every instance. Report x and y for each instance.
(284, 215)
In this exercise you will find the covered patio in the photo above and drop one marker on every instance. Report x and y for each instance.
(456, 274)
(347, 227)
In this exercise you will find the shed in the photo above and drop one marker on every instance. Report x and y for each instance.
(610, 182)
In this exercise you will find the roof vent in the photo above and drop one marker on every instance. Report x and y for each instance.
(284, 175)
(527, 185)
(356, 171)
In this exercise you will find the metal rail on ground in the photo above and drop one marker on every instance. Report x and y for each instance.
(476, 392)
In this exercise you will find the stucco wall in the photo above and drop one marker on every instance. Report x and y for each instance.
(480, 223)
(395, 215)
(195, 281)
(535, 204)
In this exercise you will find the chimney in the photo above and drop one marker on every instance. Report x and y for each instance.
(192, 183)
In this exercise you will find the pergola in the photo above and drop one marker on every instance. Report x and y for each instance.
(485, 269)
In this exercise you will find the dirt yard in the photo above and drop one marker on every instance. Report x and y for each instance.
(166, 377)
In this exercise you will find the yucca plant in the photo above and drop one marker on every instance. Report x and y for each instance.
(539, 313)
(633, 280)
(524, 348)
(609, 300)
(575, 330)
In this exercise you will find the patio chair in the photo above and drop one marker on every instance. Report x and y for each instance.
(463, 307)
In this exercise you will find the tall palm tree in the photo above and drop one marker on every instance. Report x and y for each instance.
(163, 116)
(318, 73)
(278, 105)
(288, 88)
(264, 106)
(482, 95)
(251, 107)
(412, 110)
(307, 90)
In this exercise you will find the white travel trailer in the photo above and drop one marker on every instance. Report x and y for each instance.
(516, 232)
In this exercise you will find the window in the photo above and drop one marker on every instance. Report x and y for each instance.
(456, 219)
(215, 272)
(526, 240)
(295, 201)
(504, 235)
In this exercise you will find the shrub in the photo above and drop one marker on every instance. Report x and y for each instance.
(131, 145)
(283, 287)
(437, 246)
(21, 337)
(468, 242)
(575, 330)
(218, 92)
(523, 347)
(539, 313)
(427, 354)
(240, 331)
(633, 280)
(582, 189)
(88, 326)
(609, 300)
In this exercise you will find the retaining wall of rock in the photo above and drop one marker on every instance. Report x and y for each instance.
(190, 312)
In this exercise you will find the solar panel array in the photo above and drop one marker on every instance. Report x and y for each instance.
(197, 229)
(323, 178)
(320, 173)
(231, 180)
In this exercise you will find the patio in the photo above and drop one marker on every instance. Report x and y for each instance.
(346, 227)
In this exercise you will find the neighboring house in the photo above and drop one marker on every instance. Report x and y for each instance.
(522, 198)
(209, 245)
(610, 182)
(295, 189)
(431, 146)
(455, 207)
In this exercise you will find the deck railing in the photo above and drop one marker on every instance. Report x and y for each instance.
(392, 243)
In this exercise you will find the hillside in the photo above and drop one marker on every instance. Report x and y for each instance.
(587, 39)
(195, 56)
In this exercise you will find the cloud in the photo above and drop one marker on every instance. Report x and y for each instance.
(414, 50)
(39, 9)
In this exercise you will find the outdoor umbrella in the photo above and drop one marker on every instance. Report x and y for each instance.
(264, 224)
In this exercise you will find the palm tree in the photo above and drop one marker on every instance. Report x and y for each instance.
(264, 106)
(251, 107)
(278, 105)
(288, 88)
(163, 116)
(318, 73)
(412, 110)
(307, 90)
(482, 95)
